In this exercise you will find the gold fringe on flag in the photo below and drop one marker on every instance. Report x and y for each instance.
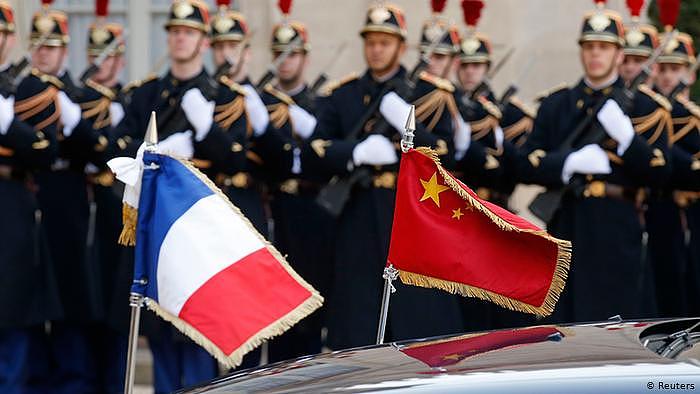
(559, 276)
(129, 218)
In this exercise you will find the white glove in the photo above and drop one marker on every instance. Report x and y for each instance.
(70, 113)
(395, 110)
(257, 112)
(591, 159)
(617, 125)
(178, 145)
(296, 161)
(116, 111)
(7, 113)
(462, 138)
(375, 150)
(498, 135)
(199, 112)
(302, 121)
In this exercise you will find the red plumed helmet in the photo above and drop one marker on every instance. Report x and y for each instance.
(223, 3)
(438, 5)
(285, 6)
(635, 7)
(668, 11)
(472, 11)
(101, 9)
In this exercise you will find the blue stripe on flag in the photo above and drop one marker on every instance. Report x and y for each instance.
(166, 194)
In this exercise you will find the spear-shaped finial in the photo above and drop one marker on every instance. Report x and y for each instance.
(407, 140)
(151, 138)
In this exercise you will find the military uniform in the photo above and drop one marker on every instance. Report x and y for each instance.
(601, 215)
(29, 296)
(103, 107)
(177, 361)
(365, 224)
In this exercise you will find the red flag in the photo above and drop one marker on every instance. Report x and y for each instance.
(445, 237)
(445, 352)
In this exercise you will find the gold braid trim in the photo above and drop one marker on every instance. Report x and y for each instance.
(228, 113)
(560, 272)
(659, 118)
(434, 103)
(693, 123)
(29, 107)
(100, 109)
(129, 218)
(518, 128)
(278, 327)
(279, 114)
(481, 128)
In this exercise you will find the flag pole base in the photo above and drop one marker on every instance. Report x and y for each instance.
(390, 274)
(136, 302)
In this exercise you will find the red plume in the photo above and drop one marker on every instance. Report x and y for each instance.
(438, 5)
(46, 3)
(285, 6)
(600, 3)
(472, 11)
(668, 11)
(223, 3)
(101, 8)
(635, 7)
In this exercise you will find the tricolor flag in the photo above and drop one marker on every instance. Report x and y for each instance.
(202, 266)
(446, 237)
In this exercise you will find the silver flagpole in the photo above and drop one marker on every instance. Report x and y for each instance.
(390, 273)
(136, 300)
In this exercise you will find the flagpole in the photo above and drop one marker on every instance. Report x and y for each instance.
(136, 300)
(390, 273)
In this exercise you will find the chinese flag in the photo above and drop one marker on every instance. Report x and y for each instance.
(445, 237)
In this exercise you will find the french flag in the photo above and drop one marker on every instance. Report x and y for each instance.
(201, 265)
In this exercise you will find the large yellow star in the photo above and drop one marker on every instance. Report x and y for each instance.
(432, 189)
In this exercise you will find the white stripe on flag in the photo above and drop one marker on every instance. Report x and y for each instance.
(205, 240)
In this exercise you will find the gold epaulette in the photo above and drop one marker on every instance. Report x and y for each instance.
(516, 102)
(693, 108)
(438, 82)
(546, 93)
(333, 85)
(233, 85)
(46, 78)
(139, 82)
(660, 99)
(490, 107)
(280, 95)
(101, 89)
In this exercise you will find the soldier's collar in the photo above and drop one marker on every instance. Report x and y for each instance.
(398, 73)
(173, 81)
(294, 91)
(606, 87)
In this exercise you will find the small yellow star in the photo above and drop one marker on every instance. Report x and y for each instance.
(433, 189)
(457, 213)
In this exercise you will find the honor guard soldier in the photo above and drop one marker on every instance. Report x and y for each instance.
(102, 103)
(600, 165)
(231, 51)
(184, 101)
(339, 147)
(46, 99)
(487, 164)
(303, 231)
(677, 283)
(28, 293)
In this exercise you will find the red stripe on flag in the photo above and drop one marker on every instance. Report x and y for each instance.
(243, 299)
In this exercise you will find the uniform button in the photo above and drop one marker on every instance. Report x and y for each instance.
(172, 102)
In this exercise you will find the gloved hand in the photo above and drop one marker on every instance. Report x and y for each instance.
(395, 110)
(499, 136)
(116, 111)
(7, 113)
(302, 121)
(462, 138)
(70, 113)
(199, 112)
(375, 150)
(179, 145)
(257, 112)
(591, 159)
(617, 125)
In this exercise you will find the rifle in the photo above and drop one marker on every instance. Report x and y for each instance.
(95, 66)
(513, 87)
(546, 204)
(486, 82)
(323, 77)
(272, 68)
(685, 81)
(336, 193)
